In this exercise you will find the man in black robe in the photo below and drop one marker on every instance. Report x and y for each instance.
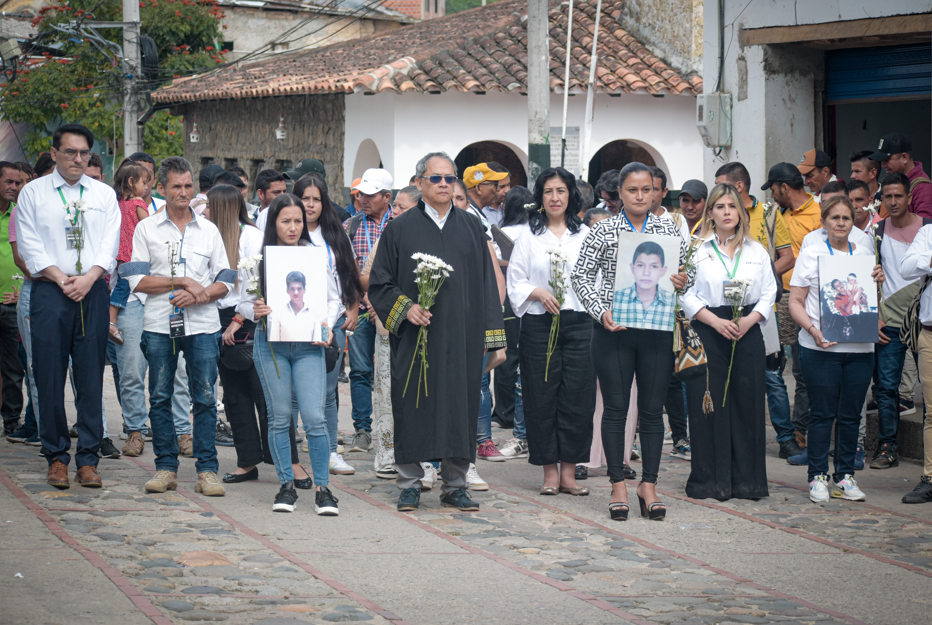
(464, 322)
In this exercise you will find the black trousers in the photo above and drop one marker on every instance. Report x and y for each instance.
(506, 374)
(728, 455)
(11, 370)
(56, 335)
(558, 412)
(617, 357)
(675, 404)
(244, 400)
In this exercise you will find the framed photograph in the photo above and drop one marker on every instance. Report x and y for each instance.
(848, 299)
(644, 295)
(296, 287)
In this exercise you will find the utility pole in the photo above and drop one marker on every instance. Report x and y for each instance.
(132, 132)
(538, 88)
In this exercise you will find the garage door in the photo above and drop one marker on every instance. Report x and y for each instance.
(882, 73)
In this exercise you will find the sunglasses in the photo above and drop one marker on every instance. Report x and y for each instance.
(437, 179)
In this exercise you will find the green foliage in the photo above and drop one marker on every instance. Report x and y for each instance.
(455, 6)
(84, 84)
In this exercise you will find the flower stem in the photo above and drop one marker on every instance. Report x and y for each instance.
(552, 343)
(728, 381)
(417, 348)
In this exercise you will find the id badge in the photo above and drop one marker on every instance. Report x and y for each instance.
(71, 238)
(176, 325)
(732, 290)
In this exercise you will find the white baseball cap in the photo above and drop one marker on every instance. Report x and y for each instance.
(373, 181)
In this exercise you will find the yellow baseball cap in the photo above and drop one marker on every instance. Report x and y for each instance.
(481, 173)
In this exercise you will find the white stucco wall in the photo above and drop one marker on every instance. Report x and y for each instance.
(405, 127)
(776, 90)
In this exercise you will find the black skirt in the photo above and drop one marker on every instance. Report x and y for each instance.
(728, 445)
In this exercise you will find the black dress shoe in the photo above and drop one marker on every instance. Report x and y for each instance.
(790, 448)
(630, 474)
(581, 472)
(305, 484)
(236, 478)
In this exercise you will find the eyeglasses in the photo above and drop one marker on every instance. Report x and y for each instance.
(70, 154)
(437, 179)
(495, 184)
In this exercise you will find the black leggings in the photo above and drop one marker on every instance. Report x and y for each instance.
(617, 357)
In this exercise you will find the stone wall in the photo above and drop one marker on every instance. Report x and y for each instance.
(242, 132)
(672, 29)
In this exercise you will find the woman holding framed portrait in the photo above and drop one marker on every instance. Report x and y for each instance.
(733, 295)
(618, 352)
(837, 374)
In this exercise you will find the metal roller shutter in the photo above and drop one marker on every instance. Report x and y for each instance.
(882, 73)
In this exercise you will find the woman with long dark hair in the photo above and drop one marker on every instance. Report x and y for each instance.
(560, 386)
(728, 456)
(618, 353)
(343, 288)
(296, 369)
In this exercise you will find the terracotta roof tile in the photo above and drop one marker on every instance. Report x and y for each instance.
(480, 50)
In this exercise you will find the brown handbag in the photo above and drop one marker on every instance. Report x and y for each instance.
(691, 362)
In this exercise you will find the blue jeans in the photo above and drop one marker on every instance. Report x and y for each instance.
(120, 293)
(132, 365)
(25, 333)
(331, 406)
(361, 356)
(890, 360)
(837, 385)
(485, 407)
(520, 429)
(301, 370)
(201, 354)
(778, 401)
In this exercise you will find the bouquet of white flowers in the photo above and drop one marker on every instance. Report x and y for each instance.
(735, 298)
(559, 284)
(251, 265)
(431, 273)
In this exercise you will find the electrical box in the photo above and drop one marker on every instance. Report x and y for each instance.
(713, 119)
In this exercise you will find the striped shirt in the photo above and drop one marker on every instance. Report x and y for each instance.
(628, 310)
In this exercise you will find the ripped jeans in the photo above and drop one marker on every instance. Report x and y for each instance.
(201, 352)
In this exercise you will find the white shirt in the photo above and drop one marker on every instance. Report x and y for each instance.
(513, 232)
(819, 236)
(154, 205)
(916, 264)
(250, 244)
(530, 268)
(262, 218)
(201, 256)
(41, 223)
(708, 291)
(292, 326)
(434, 214)
(682, 225)
(806, 274)
(335, 305)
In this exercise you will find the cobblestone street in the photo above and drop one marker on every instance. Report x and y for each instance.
(121, 555)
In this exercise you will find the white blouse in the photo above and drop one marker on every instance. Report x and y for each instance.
(711, 274)
(529, 269)
(250, 244)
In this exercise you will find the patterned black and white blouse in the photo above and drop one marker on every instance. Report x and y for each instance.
(600, 252)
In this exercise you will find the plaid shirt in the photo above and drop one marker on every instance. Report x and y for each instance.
(599, 253)
(362, 244)
(628, 310)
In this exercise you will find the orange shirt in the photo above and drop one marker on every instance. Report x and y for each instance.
(799, 223)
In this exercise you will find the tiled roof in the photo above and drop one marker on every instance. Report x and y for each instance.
(483, 49)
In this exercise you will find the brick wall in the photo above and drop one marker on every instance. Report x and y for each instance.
(421, 9)
(243, 132)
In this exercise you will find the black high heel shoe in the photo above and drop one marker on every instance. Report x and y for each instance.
(618, 511)
(655, 511)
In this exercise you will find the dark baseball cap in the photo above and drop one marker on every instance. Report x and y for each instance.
(893, 143)
(695, 189)
(307, 166)
(207, 175)
(813, 159)
(781, 172)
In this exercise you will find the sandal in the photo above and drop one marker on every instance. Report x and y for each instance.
(618, 511)
(115, 335)
(655, 511)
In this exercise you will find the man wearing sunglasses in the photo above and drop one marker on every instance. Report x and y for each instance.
(68, 235)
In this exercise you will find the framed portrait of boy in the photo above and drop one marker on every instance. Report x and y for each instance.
(848, 300)
(296, 291)
(644, 295)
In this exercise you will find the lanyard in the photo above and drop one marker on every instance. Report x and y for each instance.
(154, 208)
(643, 226)
(832, 252)
(734, 270)
(366, 225)
(73, 220)
(329, 255)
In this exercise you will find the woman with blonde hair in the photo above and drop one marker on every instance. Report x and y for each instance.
(734, 293)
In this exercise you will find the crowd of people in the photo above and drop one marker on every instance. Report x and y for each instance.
(526, 317)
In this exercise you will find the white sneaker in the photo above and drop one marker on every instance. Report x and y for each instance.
(220, 407)
(668, 437)
(338, 466)
(818, 489)
(848, 489)
(473, 481)
(430, 476)
(515, 448)
(340, 449)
